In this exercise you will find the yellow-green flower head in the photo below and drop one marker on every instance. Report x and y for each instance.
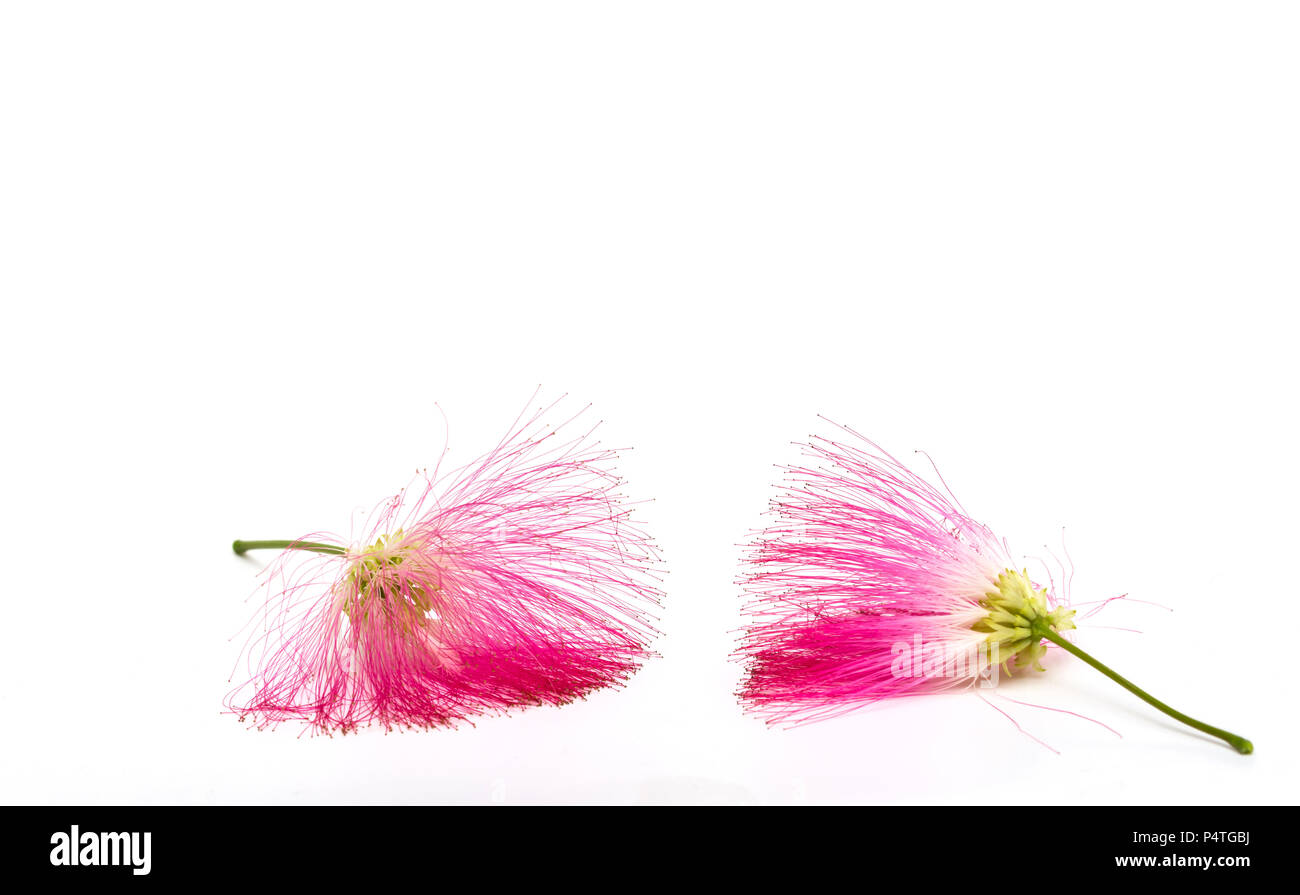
(386, 572)
(1018, 616)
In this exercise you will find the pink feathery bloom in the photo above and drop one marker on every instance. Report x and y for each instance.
(869, 584)
(520, 579)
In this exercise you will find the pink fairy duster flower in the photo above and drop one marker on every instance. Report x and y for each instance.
(519, 579)
(870, 584)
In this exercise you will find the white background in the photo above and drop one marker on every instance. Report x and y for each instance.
(244, 248)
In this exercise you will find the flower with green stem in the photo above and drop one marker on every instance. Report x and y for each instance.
(868, 583)
(520, 579)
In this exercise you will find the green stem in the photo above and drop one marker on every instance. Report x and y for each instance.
(1241, 744)
(242, 547)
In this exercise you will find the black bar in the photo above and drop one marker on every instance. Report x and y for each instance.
(810, 847)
